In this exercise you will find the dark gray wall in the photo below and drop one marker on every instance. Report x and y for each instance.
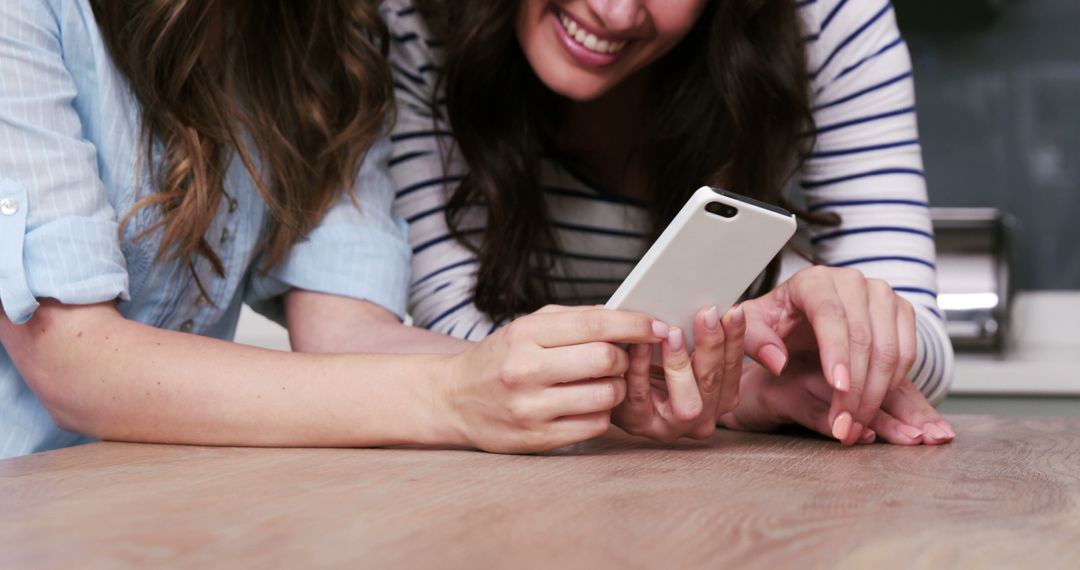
(998, 87)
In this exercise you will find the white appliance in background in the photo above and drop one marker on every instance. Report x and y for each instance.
(974, 278)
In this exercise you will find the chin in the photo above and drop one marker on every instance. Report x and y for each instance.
(575, 87)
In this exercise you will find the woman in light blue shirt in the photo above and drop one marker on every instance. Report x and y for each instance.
(132, 231)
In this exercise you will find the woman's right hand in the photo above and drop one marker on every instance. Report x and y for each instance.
(546, 380)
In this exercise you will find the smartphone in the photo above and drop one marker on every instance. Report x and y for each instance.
(708, 255)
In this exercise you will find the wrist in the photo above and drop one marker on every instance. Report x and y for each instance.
(439, 388)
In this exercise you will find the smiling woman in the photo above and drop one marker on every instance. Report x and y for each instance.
(609, 124)
(541, 144)
(596, 58)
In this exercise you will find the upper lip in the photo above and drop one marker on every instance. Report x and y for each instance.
(600, 35)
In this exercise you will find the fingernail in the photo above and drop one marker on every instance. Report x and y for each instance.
(841, 378)
(856, 430)
(737, 313)
(911, 432)
(868, 436)
(675, 339)
(935, 432)
(660, 329)
(947, 428)
(712, 318)
(842, 426)
(773, 358)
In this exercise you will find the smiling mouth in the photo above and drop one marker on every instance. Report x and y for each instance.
(587, 39)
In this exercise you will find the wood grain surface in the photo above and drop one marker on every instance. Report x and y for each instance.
(1005, 494)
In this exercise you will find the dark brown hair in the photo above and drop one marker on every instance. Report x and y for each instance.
(733, 110)
(305, 81)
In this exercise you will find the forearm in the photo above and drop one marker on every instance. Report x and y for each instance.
(327, 323)
(111, 378)
(406, 339)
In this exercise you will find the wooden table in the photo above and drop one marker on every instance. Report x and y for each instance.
(1006, 494)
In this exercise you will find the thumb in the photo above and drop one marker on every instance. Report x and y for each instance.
(762, 343)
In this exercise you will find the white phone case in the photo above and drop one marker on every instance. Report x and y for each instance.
(703, 258)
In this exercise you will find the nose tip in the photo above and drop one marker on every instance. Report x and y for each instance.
(618, 15)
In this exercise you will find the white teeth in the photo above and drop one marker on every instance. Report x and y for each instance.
(587, 40)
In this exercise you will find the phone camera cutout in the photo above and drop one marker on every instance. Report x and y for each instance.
(721, 209)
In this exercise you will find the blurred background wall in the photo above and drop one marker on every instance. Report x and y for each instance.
(998, 90)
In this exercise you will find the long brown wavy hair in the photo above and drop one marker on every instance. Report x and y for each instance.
(306, 82)
(732, 109)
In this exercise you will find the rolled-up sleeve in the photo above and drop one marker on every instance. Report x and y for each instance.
(359, 249)
(58, 231)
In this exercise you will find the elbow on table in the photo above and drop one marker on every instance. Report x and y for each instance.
(54, 358)
(67, 401)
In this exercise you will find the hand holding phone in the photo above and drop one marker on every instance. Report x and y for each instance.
(709, 254)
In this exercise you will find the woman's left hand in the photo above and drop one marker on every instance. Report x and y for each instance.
(859, 330)
(800, 396)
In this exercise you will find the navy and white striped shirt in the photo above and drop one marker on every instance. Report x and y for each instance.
(866, 167)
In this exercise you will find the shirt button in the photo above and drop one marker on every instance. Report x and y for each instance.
(187, 326)
(202, 300)
(233, 205)
(8, 206)
(224, 235)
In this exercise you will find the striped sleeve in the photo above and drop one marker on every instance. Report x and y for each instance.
(867, 167)
(443, 271)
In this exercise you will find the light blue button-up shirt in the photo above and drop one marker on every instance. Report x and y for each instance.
(69, 144)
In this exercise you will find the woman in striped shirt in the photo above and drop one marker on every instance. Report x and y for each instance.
(540, 144)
